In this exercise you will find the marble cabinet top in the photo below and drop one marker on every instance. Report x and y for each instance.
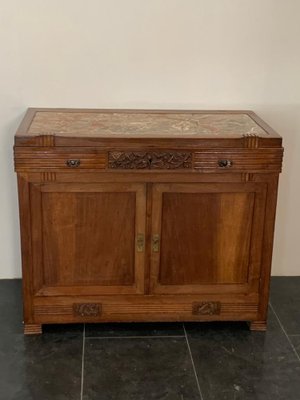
(133, 123)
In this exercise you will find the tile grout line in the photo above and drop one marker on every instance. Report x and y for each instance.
(193, 364)
(135, 337)
(284, 331)
(82, 363)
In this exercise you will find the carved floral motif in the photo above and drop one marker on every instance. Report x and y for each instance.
(87, 309)
(207, 308)
(150, 160)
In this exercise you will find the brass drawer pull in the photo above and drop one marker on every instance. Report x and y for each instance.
(225, 163)
(155, 243)
(73, 163)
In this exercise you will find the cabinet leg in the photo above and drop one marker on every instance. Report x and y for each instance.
(32, 329)
(258, 326)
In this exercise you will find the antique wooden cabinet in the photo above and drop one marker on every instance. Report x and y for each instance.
(134, 215)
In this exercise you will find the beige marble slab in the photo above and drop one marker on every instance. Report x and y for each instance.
(144, 124)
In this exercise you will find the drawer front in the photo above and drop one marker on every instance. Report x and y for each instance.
(239, 160)
(37, 159)
(30, 159)
(204, 160)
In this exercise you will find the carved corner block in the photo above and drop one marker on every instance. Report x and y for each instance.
(259, 326)
(251, 140)
(32, 329)
(48, 176)
(87, 309)
(246, 177)
(45, 140)
(207, 308)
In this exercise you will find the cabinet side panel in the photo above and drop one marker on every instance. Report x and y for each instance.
(268, 238)
(26, 251)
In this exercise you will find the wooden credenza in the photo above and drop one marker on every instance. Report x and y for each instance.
(134, 215)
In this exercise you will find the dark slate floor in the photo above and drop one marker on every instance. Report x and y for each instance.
(216, 361)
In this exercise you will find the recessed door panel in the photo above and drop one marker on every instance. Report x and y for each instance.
(88, 238)
(207, 234)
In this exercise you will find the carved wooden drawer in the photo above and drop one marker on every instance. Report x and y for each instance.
(146, 215)
(206, 160)
(65, 159)
(238, 160)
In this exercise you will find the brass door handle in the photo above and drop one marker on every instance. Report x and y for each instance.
(155, 243)
(140, 242)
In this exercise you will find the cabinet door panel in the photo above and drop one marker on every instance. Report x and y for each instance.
(85, 238)
(209, 237)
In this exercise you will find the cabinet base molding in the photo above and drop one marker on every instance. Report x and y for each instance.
(32, 329)
(258, 326)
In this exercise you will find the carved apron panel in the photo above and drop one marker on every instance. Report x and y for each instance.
(149, 160)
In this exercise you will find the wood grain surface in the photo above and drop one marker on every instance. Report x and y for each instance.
(146, 215)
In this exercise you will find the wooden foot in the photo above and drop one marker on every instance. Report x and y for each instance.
(32, 329)
(258, 326)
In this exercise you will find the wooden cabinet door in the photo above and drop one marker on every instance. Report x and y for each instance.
(87, 238)
(207, 237)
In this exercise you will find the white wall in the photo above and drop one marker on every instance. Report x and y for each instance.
(153, 54)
